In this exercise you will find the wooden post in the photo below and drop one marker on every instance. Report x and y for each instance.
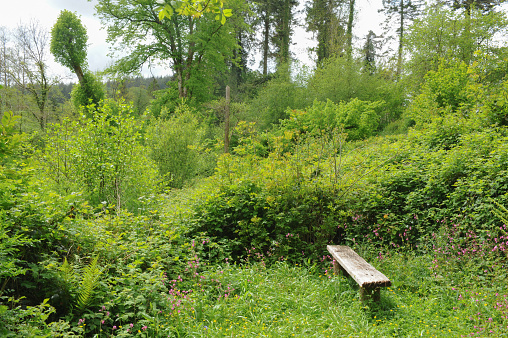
(338, 269)
(226, 124)
(370, 294)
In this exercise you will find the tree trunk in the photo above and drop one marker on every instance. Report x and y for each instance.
(226, 123)
(349, 32)
(80, 75)
(266, 42)
(286, 32)
(401, 36)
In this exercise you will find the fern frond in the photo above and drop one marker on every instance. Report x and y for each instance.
(501, 212)
(68, 273)
(89, 282)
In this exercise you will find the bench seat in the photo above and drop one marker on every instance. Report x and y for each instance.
(368, 278)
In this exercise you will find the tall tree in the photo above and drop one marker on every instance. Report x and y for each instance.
(400, 13)
(325, 19)
(68, 46)
(485, 6)
(245, 37)
(264, 12)
(193, 46)
(284, 21)
(349, 29)
(68, 43)
(369, 53)
(30, 70)
(468, 6)
(4, 52)
(439, 34)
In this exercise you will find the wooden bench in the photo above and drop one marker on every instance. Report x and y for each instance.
(350, 263)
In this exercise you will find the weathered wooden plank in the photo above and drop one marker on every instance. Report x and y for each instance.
(362, 272)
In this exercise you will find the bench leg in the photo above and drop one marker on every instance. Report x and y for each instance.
(338, 269)
(373, 294)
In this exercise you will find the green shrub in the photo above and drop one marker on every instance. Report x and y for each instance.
(359, 119)
(177, 147)
(279, 94)
(102, 157)
(92, 92)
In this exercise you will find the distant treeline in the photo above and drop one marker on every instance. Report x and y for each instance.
(112, 86)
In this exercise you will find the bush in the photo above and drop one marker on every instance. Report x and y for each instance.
(359, 119)
(92, 92)
(177, 146)
(101, 156)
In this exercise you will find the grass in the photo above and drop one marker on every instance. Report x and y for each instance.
(298, 301)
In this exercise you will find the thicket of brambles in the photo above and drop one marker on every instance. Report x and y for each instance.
(122, 214)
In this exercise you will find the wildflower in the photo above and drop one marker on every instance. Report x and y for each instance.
(114, 327)
(144, 328)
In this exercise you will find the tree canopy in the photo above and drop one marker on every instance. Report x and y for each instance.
(68, 42)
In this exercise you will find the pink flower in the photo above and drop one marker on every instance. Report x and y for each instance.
(144, 328)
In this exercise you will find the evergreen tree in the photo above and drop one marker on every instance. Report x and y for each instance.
(484, 6)
(324, 19)
(369, 53)
(349, 29)
(284, 21)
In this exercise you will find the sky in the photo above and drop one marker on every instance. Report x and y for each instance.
(46, 12)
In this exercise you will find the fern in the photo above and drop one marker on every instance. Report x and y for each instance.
(501, 212)
(89, 282)
(68, 274)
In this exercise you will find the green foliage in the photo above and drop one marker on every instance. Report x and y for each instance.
(279, 94)
(284, 205)
(90, 92)
(359, 119)
(176, 145)
(197, 48)
(89, 281)
(31, 321)
(443, 34)
(442, 93)
(11, 185)
(338, 79)
(458, 98)
(196, 8)
(165, 101)
(69, 41)
(102, 156)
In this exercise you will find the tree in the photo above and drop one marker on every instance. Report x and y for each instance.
(349, 29)
(284, 21)
(30, 71)
(4, 52)
(443, 34)
(324, 19)
(68, 43)
(265, 15)
(101, 156)
(68, 46)
(196, 47)
(369, 53)
(485, 6)
(400, 13)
